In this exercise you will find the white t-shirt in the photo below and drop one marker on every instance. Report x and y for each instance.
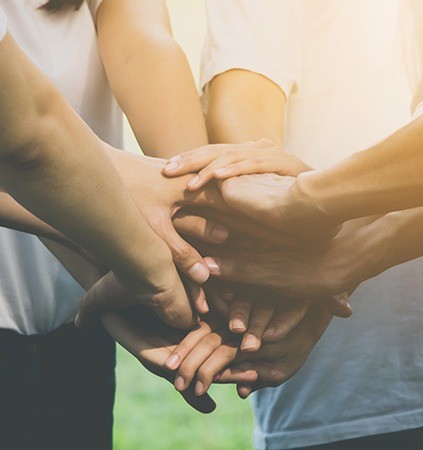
(355, 77)
(37, 294)
(3, 24)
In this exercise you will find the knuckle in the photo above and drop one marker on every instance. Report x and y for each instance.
(277, 377)
(199, 223)
(205, 374)
(160, 300)
(241, 266)
(211, 340)
(187, 370)
(180, 251)
(227, 352)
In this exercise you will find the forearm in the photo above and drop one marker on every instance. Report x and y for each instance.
(375, 247)
(55, 166)
(387, 177)
(244, 106)
(16, 217)
(150, 76)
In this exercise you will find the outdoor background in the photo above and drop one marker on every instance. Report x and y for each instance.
(149, 413)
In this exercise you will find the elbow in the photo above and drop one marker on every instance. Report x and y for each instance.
(22, 158)
(24, 145)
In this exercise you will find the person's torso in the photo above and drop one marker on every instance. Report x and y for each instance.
(359, 83)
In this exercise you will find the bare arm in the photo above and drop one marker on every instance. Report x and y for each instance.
(245, 106)
(150, 76)
(386, 177)
(55, 166)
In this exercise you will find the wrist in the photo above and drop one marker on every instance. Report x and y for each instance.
(321, 197)
(306, 204)
(149, 266)
(369, 247)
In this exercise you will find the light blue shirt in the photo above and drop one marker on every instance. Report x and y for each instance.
(364, 377)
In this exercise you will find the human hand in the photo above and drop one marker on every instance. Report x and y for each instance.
(209, 350)
(171, 301)
(223, 161)
(276, 363)
(200, 225)
(151, 342)
(260, 317)
(151, 349)
(159, 198)
(294, 274)
(274, 198)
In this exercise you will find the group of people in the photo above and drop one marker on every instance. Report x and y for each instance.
(288, 193)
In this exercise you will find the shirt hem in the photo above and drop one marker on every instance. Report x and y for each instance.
(339, 432)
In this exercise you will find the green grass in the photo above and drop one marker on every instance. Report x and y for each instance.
(150, 414)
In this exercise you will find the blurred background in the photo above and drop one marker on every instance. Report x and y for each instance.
(149, 413)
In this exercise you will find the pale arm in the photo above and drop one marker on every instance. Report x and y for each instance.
(245, 106)
(150, 76)
(386, 177)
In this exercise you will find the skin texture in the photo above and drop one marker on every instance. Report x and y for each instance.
(235, 98)
(28, 160)
(93, 208)
(140, 54)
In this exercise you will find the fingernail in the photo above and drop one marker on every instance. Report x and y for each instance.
(194, 181)
(213, 264)
(205, 306)
(237, 324)
(172, 361)
(198, 273)
(174, 159)
(171, 166)
(343, 299)
(276, 373)
(269, 332)
(345, 303)
(221, 171)
(179, 383)
(250, 341)
(199, 388)
(219, 233)
(77, 321)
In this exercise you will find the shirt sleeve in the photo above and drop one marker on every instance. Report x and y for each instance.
(3, 24)
(93, 6)
(418, 111)
(262, 36)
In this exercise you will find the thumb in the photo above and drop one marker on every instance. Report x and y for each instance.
(185, 257)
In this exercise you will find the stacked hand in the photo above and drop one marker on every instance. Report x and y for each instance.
(160, 287)
(271, 297)
(260, 180)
